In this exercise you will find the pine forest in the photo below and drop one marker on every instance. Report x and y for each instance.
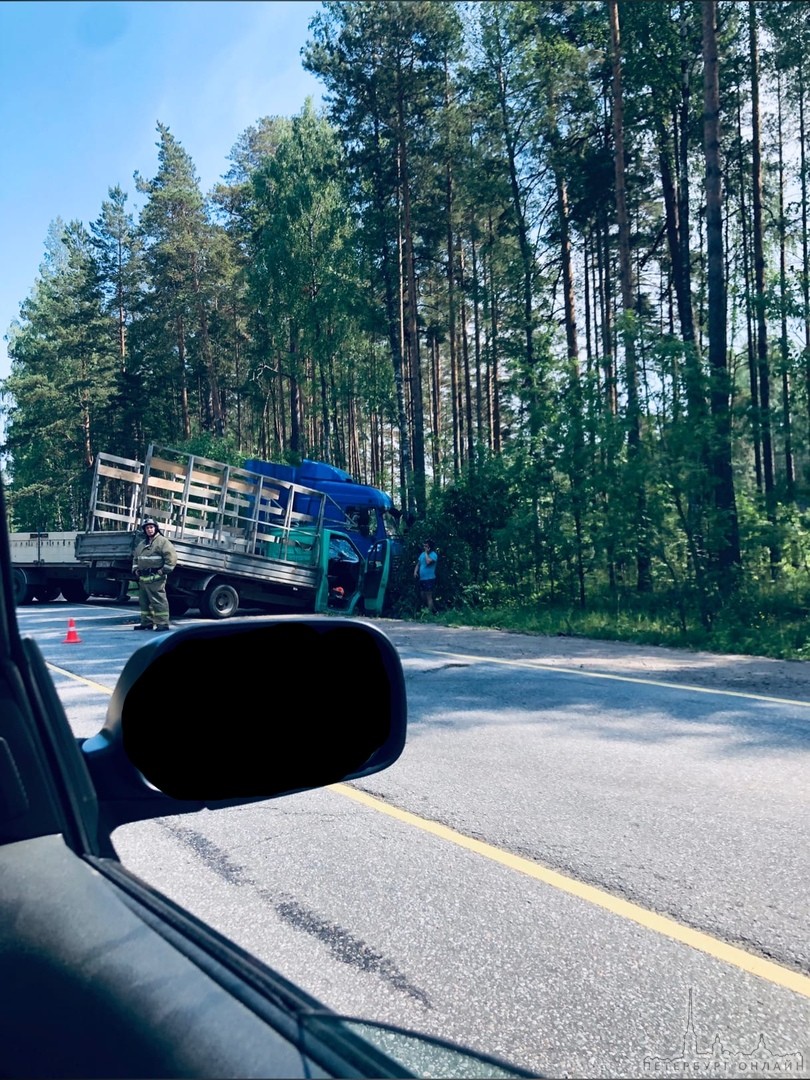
(540, 270)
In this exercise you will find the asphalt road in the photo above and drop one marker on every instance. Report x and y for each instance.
(563, 857)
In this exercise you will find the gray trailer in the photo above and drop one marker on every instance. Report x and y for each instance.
(44, 565)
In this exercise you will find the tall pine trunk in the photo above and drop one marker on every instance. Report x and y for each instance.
(805, 275)
(726, 541)
(185, 414)
(643, 563)
(763, 364)
(576, 466)
(411, 324)
(787, 419)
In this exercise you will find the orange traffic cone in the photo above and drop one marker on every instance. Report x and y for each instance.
(72, 637)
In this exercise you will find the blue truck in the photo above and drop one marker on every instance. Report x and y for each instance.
(365, 512)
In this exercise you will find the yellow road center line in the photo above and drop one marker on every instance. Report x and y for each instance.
(79, 678)
(550, 665)
(660, 924)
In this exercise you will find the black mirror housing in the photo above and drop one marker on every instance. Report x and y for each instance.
(248, 709)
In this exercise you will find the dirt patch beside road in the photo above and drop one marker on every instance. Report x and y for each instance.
(744, 674)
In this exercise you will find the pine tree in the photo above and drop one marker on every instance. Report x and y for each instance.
(177, 353)
(61, 382)
(384, 68)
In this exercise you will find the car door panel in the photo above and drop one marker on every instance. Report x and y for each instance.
(27, 804)
(93, 990)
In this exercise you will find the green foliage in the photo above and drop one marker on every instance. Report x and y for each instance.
(61, 385)
(773, 622)
(303, 274)
(421, 285)
(464, 521)
(214, 447)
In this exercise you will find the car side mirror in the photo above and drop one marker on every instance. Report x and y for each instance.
(247, 709)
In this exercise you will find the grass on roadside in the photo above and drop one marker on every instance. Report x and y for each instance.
(780, 631)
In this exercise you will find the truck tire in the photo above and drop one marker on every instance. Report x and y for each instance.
(220, 601)
(73, 591)
(23, 593)
(47, 592)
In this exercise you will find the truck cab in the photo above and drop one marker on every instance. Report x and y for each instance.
(365, 512)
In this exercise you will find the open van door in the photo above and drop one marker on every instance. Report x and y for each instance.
(378, 569)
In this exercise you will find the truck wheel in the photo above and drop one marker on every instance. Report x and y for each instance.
(73, 591)
(220, 601)
(23, 594)
(45, 593)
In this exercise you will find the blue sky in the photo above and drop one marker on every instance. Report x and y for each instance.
(83, 85)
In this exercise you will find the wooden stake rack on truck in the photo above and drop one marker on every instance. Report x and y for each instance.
(241, 538)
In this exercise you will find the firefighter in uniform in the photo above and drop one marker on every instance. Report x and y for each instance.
(152, 562)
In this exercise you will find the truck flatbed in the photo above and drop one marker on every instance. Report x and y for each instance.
(238, 535)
